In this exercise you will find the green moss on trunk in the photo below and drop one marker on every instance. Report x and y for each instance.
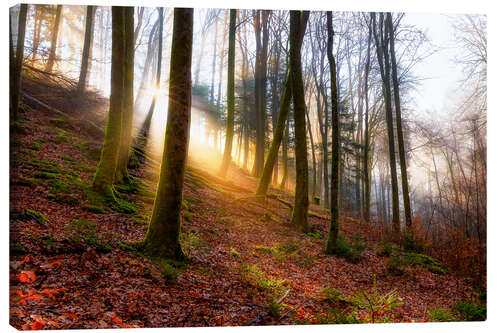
(128, 98)
(105, 173)
(162, 237)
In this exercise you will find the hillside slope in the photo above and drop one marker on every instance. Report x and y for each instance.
(72, 264)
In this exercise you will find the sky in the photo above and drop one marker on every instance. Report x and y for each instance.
(442, 75)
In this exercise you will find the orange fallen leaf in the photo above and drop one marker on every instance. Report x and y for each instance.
(50, 292)
(51, 264)
(26, 276)
(34, 297)
(117, 320)
(71, 315)
(38, 324)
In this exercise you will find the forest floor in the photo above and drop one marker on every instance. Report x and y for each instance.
(72, 265)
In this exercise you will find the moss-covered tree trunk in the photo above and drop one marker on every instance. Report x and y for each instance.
(301, 204)
(53, 39)
(128, 97)
(226, 160)
(105, 173)
(399, 126)
(17, 64)
(162, 237)
(87, 44)
(335, 182)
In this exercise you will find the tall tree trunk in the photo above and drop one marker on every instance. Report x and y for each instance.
(301, 204)
(334, 191)
(37, 18)
(246, 134)
(366, 150)
(53, 39)
(105, 173)
(128, 97)
(198, 63)
(283, 113)
(87, 45)
(214, 58)
(162, 237)
(140, 15)
(144, 131)
(311, 139)
(147, 66)
(230, 94)
(399, 126)
(275, 99)
(383, 60)
(261, 24)
(284, 151)
(221, 65)
(17, 64)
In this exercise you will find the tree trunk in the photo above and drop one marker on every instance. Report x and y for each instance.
(284, 151)
(366, 150)
(128, 97)
(105, 172)
(87, 45)
(286, 98)
(17, 64)
(334, 191)
(53, 39)
(144, 132)
(230, 94)
(399, 126)
(162, 237)
(37, 18)
(214, 58)
(283, 114)
(383, 59)
(147, 66)
(301, 204)
(311, 139)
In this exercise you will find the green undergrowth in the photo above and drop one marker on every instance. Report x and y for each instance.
(64, 184)
(271, 287)
(399, 259)
(60, 123)
(99, 203)
(192, 241)
(461, 311)
(167, 269)
(81, 231)
(91, 149)
(60, 137)
(281, 251)
(351, 252)
(378, 305)
(37, 216)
